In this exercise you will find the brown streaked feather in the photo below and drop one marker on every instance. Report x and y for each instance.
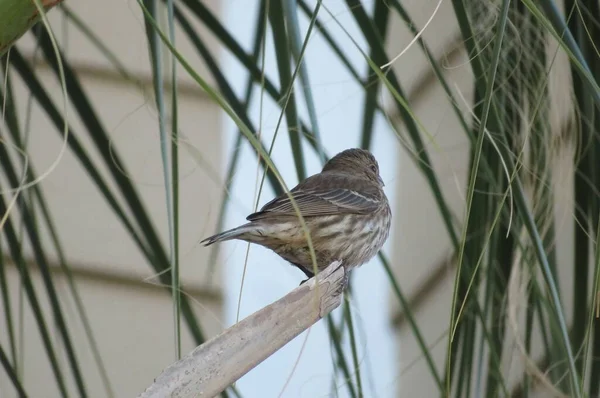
(324, 194)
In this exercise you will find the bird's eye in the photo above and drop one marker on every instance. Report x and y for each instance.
(374, 169)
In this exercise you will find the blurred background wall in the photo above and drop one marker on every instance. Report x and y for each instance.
(130, 313)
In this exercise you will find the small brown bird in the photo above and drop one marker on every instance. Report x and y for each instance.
(344, 208)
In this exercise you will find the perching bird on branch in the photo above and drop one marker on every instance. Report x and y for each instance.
(345, 210)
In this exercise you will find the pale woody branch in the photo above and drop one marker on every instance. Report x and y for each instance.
(216, 364)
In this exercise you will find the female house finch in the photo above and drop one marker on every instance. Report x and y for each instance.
(344, 208)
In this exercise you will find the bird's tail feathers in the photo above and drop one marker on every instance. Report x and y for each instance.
(235, 233)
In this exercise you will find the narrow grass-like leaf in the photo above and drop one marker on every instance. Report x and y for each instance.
(583, 165)
(413, 324)
(541, 152)
(176, 283)
(8, 317)
(350, 324)
(586, 34)
(499, 267)
(381, 17)
(298, 47)
(283, 56)
(341, 359)
(566, 39)
(528, 338)
(12, 376)
(11, 123)
(156, 61)
(593, 329)
(594, 386)
(259, 36)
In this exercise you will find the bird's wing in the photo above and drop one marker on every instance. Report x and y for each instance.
(317, 197)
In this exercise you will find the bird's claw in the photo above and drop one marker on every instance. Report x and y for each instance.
(345, 280)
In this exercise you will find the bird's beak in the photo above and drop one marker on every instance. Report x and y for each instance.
(381, 181)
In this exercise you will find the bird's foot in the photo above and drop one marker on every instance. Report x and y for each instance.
(345, 281)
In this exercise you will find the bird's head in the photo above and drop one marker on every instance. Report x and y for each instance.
(356, 161)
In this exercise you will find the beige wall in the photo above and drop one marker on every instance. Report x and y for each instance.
(130, 315)
(423, 247)
(423, 241)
